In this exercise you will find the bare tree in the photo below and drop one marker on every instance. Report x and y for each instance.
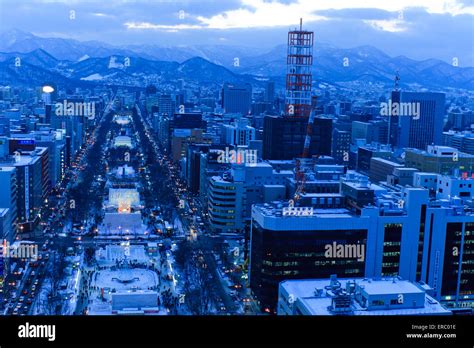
(55, 273)
(197, 282)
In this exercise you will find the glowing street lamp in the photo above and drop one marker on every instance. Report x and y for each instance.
(48, 89)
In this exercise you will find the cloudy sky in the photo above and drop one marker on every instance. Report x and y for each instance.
(419, 29)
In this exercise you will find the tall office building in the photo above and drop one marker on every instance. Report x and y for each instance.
(270, 92)
(238, 133)
(32, 179)
(341, 141)
(165, 105)
(8, 199)
(366, 152)
(232, 195)
(6, 228)
(193, 164)
(284, 137)
(180, 125)
(293, 244)
(463, 141)
(377, 235)
(237, 98)
(448, 253)
(372, 131)
(460, 119)
(56, 150)
(425, 128)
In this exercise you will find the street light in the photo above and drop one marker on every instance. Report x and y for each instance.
(48, 89)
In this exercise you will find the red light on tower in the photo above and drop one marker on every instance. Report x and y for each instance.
(298, 75)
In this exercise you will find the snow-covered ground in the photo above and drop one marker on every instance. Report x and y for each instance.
(105, 282)
(126, 279)
(93, 77)
(115, 275)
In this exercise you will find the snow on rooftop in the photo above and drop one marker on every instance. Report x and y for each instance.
(389, 286)
(304, 291)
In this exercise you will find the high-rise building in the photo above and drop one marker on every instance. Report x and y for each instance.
(32, 179)
(341, 141)
(366, 152)
(6, 227)
(193, 164)
(56, 150)
(460, 119)
(422, 126)
(270, 92)
(380, 168)
(238, 133)
(448, 261)
(463, 141)
(284, 137)
(372, 131)
(181, 125)
(165, 104)
(392, 233)
(292, 243)
(232, 195)
(237, 98)
(182, 138)
(210, 166)
(8, 200)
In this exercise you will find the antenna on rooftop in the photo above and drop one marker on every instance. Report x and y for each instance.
(396, 82)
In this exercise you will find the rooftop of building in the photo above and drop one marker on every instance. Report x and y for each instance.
(376, 147)
(317, 195)
(277, 162)
(465, 134)
(20, 161)
(6, 168)
(389, 286)
(363, 185)
(316, 296)
(283, 172)
(386, 161)
(439, 151)
(405, 169)
(275, 209)
(426, 174)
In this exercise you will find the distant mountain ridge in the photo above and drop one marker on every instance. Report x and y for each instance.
(72, 60)
(38, 66)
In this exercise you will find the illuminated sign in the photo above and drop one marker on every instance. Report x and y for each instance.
(298, 211)
(26, 142)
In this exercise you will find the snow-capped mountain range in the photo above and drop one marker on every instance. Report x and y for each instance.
(72, 61)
